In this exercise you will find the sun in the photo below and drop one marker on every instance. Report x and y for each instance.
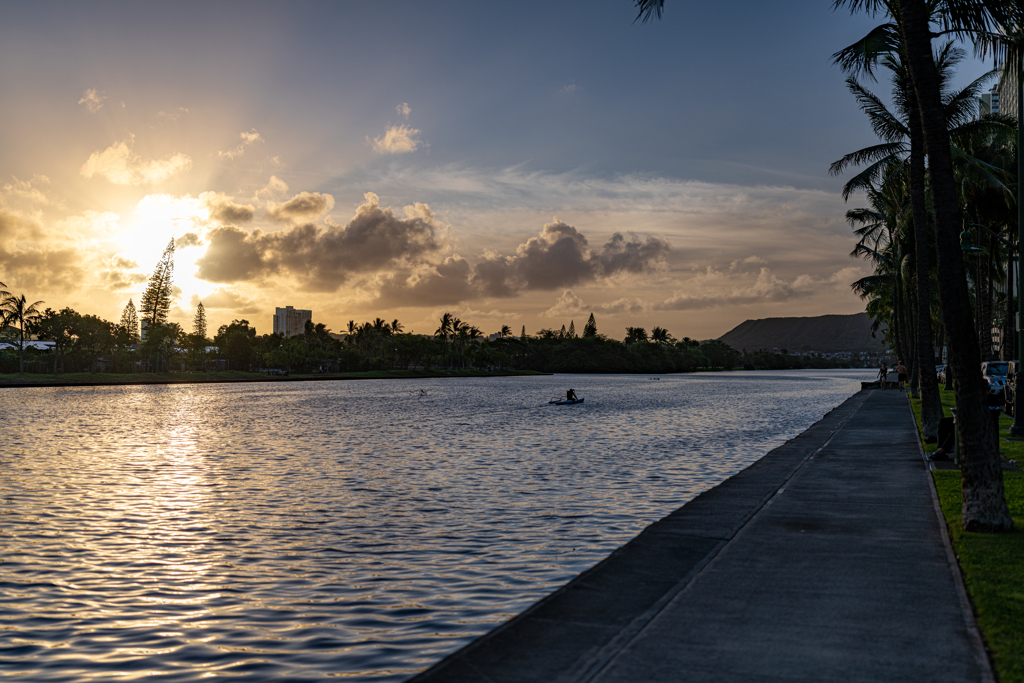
(155, 220)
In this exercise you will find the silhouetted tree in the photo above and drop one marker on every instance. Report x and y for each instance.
(16, 309)
(156, 300)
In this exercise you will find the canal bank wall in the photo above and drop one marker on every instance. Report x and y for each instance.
(825, 560)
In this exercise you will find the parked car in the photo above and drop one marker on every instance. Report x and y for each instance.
(1010, 386)
(994, 372)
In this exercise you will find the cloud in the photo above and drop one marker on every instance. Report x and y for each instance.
(173, 115)
(275, 187)
(224, 210)
(632, 256)
(571, 304)
(558, 257)
(713, 289)
(567, 304)
(189, 239)
(397, 140)
(404, 110)
(571, 88)
(445, 283)
(305, 206)
(27, 189)
(34, 267)
(324, 259)
(226, 299)
(121, 166)
(247, 139)
(119, 280)
(92, 100)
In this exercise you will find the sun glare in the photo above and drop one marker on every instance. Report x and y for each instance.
(153, 222)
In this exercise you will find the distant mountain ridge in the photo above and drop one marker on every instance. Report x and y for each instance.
(823, 333)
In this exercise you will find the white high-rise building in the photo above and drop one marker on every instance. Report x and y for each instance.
(291, 321)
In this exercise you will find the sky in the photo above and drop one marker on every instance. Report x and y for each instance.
(520, 164)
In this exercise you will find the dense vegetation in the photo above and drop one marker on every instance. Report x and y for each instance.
(87, 343)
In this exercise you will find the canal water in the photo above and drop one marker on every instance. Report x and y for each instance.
(361, 529)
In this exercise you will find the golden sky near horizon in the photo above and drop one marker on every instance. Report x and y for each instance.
(335, 181)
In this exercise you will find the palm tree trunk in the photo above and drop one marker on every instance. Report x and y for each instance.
(1007, 342)
(984, 498)
(983, 284)
(931, 403)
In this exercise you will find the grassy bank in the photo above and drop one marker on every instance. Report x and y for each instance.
(992, 564)
(112, 378)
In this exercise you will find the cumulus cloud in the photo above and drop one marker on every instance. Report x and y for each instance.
(303, 207)
(93, 100)
(445, 283)
(275, 187)
(224, 210)
(226, 299)
(189, 239)
(121, 166)
(404, 110)
(119, 280)
(570, 88)
(558, 257)
(247, 139)
(397, 140)
(567, 304)
(571, 304)
(36, 266)
(324, 258)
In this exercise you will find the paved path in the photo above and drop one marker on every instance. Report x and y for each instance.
(824, 561)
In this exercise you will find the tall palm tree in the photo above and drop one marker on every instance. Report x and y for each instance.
(16, 309)
(984, 500)
(900, 132)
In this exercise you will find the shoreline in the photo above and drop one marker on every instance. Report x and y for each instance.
(117, 379)
(769, 574)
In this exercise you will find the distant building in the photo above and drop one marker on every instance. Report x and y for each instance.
(990, 101)
(143, 330)
(1006, 93)
(291, 321)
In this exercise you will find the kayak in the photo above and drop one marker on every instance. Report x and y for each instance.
(565, 402)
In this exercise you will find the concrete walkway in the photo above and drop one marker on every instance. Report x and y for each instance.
(826, 560)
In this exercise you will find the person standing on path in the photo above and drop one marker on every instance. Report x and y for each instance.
(883, 372)
(901, 372)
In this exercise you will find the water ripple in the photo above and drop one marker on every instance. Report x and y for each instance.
(305, 531)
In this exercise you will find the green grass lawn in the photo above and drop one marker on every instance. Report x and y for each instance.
(992, 564)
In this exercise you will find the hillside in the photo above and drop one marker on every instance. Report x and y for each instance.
(824, 334)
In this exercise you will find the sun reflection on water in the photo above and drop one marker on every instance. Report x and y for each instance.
(302, 531)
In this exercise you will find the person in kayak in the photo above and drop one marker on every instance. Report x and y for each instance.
(570, 395)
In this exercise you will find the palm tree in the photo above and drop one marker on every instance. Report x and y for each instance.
(984, 500)
(634, 335)
(902, 144)
(661, 335)
(506, 331)
(396, 327)
(444, 330)
(16, 309)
